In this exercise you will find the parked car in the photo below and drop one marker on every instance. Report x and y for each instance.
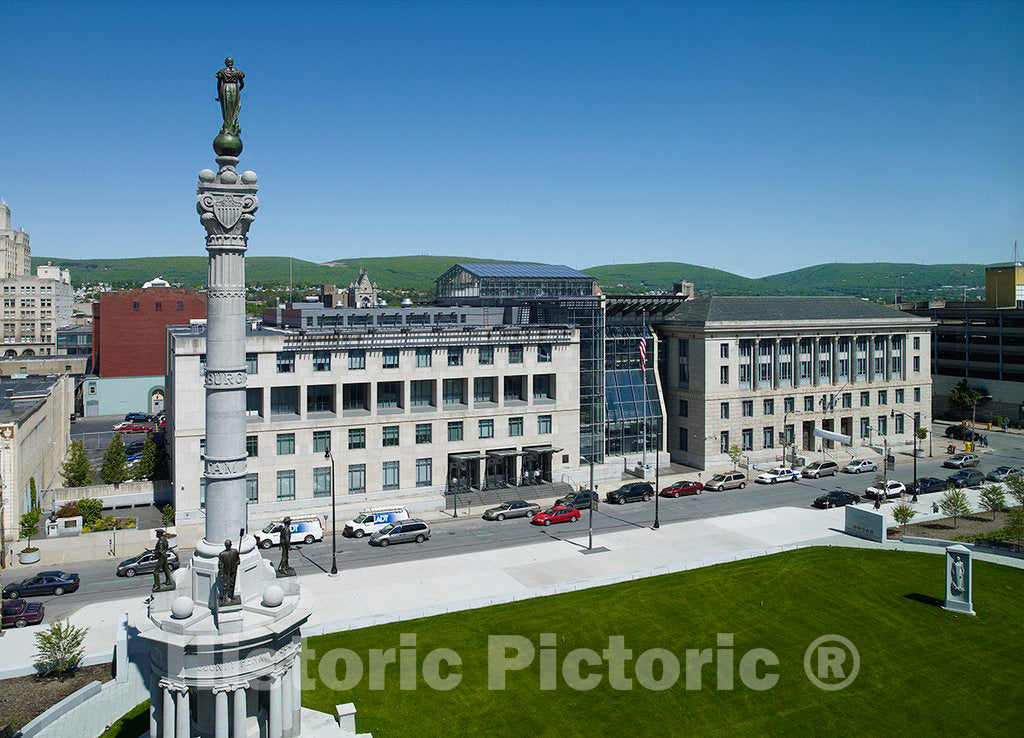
(856, 466)
(19, 613)
(556, 515)
(818, 469)
(43, 583)
(137, 417)
(966, 478)
(370, 521)
(132, 428)
(512, 509)
(134, 447)
(891, 489)
(634, 492)
(729, 480)
(581, 500)
(836, 498)
(778, 474)
(304, 529)
(1003, 474)
(924, 485)
(962, 433)
(683, 489)
(407, 531)
(961, 461)
(145, 563)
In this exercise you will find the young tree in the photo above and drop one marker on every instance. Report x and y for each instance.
(922, 433)
(1015, 485)
(903, 514)
(59, 648)
(76, 470)
(993, 499)
(736, 454)
(29, 526)
(962, 397)
(115, 464)
(1015, 524)
(167, 513)
(954, 505)
(33, 494)
(147, 460)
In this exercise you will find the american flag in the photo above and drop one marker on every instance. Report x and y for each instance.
(643, 349)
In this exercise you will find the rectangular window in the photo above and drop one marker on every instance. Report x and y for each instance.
(847, 400)
(899, 396)
(389, 358)
(684, 439)
(253, 401)
(321, 361)
(723, 351)
(544, 387)
(252, 446)
(285, 362)
(747, 439)
(320, 398)
(544, 353)
(865, 428)
(251, 363)
(285, 443)
(356, 478)
(252, 489)
(515, 354)
(356, 438)
(424, 473)
(723, 442)
(455, 431)
(543, 424)
(454, 391)
(135, 305)
(389, 474)
(357, 359)
(355, 396)
(286, 485)
(158, 307)
(423, 358)
(424, 433)
(322, 481)
(882, 423)
(769, 407)
(723, 410)
(284, 400)
(389, 436)
(485, 356)
(747, 408)
(917, 394)
(917, 343)
(865, 399)
(486, 428)
(515, 427)
(723, 375)
(483, 390)
(514, 390)
(898, 425)
(768, 437)
(389, 395)
(808, 403)
(917, 363)
(321, 442)
(789, 405)
(684, 408)
(455, 356)
(744, 376)
(683, 380)
(421, 392)
(883, 397)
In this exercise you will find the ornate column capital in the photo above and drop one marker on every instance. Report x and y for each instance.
(172, 685)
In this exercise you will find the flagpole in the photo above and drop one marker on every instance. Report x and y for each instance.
(643, 375)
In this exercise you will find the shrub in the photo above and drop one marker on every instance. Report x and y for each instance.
(59, 648)
(90, 509)
(76, 470)
(68, 510)
(167, 513)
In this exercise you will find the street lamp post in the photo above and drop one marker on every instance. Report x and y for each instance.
(974, 413)
(892, 414)
(590, 521)
(334, 518)
(657, 487)
(785, 436)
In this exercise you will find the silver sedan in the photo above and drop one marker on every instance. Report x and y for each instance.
(512, 509)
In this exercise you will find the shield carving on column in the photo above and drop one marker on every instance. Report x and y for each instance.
(228, 210)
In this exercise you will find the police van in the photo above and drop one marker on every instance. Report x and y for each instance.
(305, 529)
(372, 520)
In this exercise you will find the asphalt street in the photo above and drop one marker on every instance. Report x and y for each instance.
(470, 532)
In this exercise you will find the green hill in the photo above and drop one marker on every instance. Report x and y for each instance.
(879, 279)
(660, 275)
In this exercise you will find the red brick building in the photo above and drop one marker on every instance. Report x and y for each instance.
(129, 327)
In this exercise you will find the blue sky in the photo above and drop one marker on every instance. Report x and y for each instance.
(752, 137)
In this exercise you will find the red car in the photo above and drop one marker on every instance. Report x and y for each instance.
(133, 428)
(556, 515)
(19, 613)
(682, 489)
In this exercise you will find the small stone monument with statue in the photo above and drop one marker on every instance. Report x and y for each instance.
(223, 634)
(959, 580)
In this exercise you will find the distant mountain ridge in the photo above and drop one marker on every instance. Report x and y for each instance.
(417, 273)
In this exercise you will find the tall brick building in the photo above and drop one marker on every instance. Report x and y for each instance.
(129, 328)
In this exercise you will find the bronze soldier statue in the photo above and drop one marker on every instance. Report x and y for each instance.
(161, 549)
(283, 569)
(227, 568)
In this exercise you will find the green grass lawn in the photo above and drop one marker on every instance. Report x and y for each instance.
(922, 669)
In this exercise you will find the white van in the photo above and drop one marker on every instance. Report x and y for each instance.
(372, 520)
(305, 529)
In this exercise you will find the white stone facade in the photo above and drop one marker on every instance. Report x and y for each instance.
(33, 309)
(379, 399)
(746, 383)
(15, 253)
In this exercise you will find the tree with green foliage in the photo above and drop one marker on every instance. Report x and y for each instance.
(993, 499)
(76, 470)
(903, 514)
(115, 462)
(1015, 524)
(147, 459)
(1015, 485)
(90, 509)
(33, 494)
(59, 648)
(29, 526)
(962, 397)
(161, 465)
(736, 454)
(922, 433)
(954, 505)
(167, 513)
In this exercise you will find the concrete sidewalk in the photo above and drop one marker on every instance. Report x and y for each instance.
(410, 589)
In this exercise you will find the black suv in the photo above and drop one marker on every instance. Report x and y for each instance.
(924, 485)
(635, 492)
(962, 433)
(581, 500)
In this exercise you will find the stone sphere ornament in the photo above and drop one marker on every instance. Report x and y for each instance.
(182, 608)
(206, 175)
(273, 596)
(249, 177)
